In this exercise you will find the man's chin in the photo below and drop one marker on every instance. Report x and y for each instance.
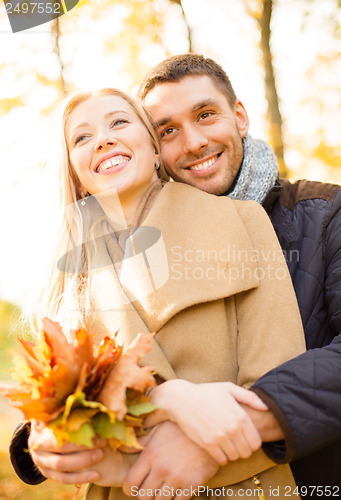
(209, 184)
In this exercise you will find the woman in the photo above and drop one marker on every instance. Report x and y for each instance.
(144, 258)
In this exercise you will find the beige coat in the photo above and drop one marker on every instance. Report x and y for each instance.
(223, 307)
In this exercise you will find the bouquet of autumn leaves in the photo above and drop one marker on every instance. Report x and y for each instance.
(61, 382)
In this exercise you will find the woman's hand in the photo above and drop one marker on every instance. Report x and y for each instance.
(72, 464)
(210, 415)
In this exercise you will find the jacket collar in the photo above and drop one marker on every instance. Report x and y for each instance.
(272, 196)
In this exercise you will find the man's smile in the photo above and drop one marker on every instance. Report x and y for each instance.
(205, 167)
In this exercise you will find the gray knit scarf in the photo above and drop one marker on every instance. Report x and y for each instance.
(258, 172)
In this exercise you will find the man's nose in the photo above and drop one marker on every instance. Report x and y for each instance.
(193, 139)
(104, 141)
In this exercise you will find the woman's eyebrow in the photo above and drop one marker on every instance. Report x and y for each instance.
(107, 115)
(118, 111)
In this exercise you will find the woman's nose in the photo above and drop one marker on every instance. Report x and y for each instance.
(104, 141)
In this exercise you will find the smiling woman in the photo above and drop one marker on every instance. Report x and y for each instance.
(106, 132)
(113, 151)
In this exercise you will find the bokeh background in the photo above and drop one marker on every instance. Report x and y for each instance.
(284, 61)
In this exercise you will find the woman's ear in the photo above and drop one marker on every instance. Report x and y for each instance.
(241, 118)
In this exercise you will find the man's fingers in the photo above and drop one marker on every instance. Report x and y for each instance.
(135, 477)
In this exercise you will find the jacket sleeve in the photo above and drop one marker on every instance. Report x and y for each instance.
(311, 382)
(269, 327)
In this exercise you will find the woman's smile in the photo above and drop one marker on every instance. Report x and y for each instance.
(112, 163)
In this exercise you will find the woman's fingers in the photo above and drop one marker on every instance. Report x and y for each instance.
(71, 477)
(246, 397)
(155, 418)
(67, 462)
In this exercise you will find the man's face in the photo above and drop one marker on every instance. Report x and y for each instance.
(200, 135)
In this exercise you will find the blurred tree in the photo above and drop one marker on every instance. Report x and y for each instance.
(189, 34)
(261, 11)
(55, 30)
(9, 329)
(322, 99)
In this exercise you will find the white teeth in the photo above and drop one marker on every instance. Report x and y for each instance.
(203, 166)
(112, 162)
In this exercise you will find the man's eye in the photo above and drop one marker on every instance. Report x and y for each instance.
(207, 114)
(167, 131)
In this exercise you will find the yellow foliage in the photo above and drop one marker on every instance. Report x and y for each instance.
(7, 104)
(330, 155)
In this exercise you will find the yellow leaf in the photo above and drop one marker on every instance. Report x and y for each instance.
(79, 417)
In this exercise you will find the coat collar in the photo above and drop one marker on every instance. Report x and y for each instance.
(192, 248)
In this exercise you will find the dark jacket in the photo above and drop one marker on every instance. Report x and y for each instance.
(305, 393)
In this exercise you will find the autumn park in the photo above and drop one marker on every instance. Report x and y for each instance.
(282, 56)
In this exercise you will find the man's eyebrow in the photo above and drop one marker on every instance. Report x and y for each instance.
(162, 122)
(197, 106)
(204, 103)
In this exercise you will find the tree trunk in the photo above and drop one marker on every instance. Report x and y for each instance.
(274, 114)
(189, 34)
(56, 33)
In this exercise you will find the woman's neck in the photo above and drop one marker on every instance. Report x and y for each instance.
(124, 210)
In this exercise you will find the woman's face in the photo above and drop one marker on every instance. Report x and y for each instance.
(109, 147)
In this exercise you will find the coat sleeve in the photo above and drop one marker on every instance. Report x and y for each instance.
(311, 382)
(269, 327)
(20, 457)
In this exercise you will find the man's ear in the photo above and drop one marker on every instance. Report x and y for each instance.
(241, 118)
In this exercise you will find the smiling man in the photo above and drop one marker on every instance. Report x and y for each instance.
(203, 130)
(199, 131)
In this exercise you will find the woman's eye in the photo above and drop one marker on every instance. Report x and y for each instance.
(79, 139)
(118, 121)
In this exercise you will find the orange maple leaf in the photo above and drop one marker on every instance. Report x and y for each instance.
(126, 373)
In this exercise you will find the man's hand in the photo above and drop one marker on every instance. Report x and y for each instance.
(72, 464)
(266, 424)
(169, 459)
(210, 415)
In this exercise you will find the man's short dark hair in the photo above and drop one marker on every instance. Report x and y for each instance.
(176, 68)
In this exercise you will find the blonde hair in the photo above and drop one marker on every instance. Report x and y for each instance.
(65, 295)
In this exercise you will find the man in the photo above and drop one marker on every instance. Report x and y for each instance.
(203, 129)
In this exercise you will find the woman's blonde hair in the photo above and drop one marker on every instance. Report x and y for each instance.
(65, 295)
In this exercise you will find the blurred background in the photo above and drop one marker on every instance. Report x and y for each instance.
(282, 56)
